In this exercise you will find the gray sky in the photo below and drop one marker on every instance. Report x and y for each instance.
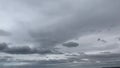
(47, 24)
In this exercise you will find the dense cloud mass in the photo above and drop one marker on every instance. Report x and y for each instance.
(43, 25)
(4, 47)
(49, 23)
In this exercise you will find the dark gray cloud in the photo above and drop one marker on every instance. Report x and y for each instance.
(14, 50)
(3, 46)
(71, 44)
(18, 50)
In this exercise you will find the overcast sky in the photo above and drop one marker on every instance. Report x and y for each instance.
(46, 24)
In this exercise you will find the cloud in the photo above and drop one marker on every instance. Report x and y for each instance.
(18, 50)
(101, 40)
(4, 33)
(46, 24)
(88, 20)
(49, 23)
(3, 46)
(106, 57)
(71, 44)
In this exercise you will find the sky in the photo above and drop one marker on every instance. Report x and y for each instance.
(61, 26)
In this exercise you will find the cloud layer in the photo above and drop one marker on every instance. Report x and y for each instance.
(5, 48)
(49, 23)
(43, 25)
